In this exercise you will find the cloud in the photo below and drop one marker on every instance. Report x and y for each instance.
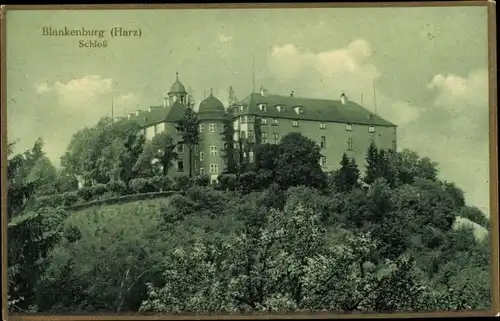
(225, 39)
(42, 88)
(458, 93)
(78, 90)
(86, 88)
(76, 103)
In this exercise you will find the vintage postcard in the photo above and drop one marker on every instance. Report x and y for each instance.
(243, 160)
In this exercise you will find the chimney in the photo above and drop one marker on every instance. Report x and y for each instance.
(261, 91)
(165, 102)
(343, 99)
(291, 94)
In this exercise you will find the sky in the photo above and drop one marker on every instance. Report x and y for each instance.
(429, 67)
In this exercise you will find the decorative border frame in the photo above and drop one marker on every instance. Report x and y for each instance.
(493, 131)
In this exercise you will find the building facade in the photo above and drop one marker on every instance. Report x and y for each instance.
(337, 126)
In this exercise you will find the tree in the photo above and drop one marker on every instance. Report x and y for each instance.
(97, 153)
(189, 127)
(372, 164)
(284, 266)
(410, 166)
(346, 178)
(298, 162)
(229, 152)
(161, 148)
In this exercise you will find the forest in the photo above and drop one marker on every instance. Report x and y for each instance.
(275, 233)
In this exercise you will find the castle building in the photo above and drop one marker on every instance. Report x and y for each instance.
(338, 126)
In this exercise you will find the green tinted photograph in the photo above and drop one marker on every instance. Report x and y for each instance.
(248, 160)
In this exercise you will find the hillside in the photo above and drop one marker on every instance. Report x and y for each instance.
(279, 235)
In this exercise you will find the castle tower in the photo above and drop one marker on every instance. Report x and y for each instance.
(211, 114)
(177, 92)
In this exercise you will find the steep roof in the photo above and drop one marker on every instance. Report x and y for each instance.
(312, 109)
(158, 114)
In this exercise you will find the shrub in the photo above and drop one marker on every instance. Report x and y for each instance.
(99, 190)
(227, 182)
(182, 182)
(141, 185)
(161, 183)
(86, 193)
(246, 181)
(202, 180)
(69, 198)
(206, 198)
(176, 208)
(54, 200)
(117, 187)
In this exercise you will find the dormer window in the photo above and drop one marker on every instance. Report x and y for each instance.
(280, 108)
(263, 107)
(299, 110)
(348, 127)
(241, 108)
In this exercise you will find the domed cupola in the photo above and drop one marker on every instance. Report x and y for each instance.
(211, 104)
(177, 87)
(211, 107)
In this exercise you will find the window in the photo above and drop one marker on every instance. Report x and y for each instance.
(323, 161)
(224, 128)
(201, 156)
(202, 170)
(275, 122)
(242, 134)
(322, 125)
(250, 119)
(371, 129)
(322, 144)
(224, 145)
(394, 145)
(214, 168)
(196, 149)
(180, 148)
(295, 123)
(250, 133)
(264, 138)
(180, 166)
(263, 107)
(212, 128)
(201, 128)
(280, 108)
(213, 150)
(349, 144)
(243, 119)
(348, 127)
(275, 138)
(263, 121)
(264, 135)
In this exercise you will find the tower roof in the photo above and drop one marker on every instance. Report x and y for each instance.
(211, 104)
(177, 87)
